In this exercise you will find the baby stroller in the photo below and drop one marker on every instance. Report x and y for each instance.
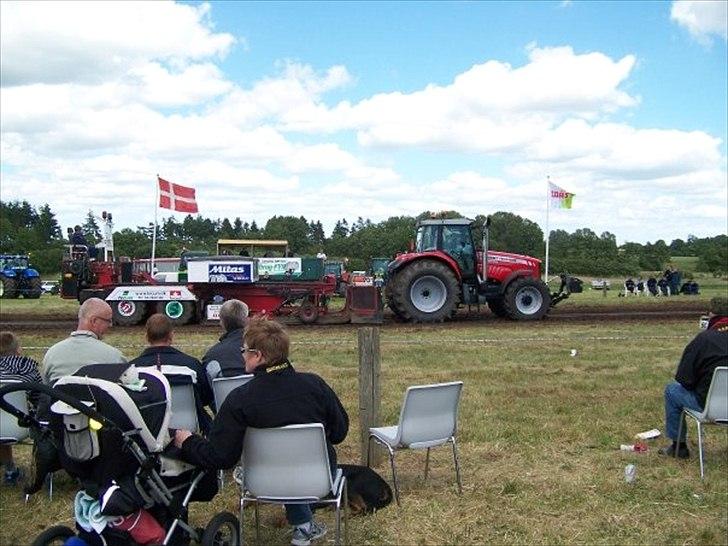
(109, 422)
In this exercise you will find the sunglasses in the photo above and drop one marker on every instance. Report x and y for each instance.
(248, 350)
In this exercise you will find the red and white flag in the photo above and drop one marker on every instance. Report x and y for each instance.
(176, 197)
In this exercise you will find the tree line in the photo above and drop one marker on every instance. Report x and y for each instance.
(27, 230)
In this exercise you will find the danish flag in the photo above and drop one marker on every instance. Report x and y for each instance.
(176, 197)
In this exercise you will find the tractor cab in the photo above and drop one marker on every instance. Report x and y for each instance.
(454, 238)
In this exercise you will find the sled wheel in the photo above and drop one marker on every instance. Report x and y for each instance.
(308, 312)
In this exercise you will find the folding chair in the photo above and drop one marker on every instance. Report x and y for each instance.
(182, 383)
(11, 433)
(290, 465)
(715, 412)
(222, 386)
(428, 419)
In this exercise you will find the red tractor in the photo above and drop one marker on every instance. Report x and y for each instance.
(445, 271)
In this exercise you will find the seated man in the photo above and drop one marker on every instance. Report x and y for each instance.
(224, 358)
(707, 351)
(277, 396)
(15, 367)
(161, 353)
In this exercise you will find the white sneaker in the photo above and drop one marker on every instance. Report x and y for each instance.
(303, 537)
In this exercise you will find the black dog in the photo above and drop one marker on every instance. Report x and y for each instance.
(366, 489)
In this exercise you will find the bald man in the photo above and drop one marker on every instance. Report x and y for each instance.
(84, 346)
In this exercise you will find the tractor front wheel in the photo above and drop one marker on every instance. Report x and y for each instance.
(527, 298)
(424, 291)
(8, 288)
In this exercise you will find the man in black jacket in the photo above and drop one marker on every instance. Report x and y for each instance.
(277, 396)
(161, 353)
(224, 358)
(707, 351)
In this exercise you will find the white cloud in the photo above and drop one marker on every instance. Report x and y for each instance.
(702, 18)
(95, 108)
(491, 107)
(90, 42)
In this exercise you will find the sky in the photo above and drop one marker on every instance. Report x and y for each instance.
(332, 110)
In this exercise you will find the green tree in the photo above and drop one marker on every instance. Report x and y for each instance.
(91, 229)
(512, 233)
(47, 227)
(290, 228)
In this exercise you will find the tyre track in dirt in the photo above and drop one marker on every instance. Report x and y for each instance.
(672, 310)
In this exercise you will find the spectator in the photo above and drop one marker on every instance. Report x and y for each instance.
(664, 285)
(675, 280)
(84, 346)
(15, 367)
(160, 353)
(321, 255)
(629, 286)
(278, 395)
(640, 286)
(707, 351)
(224, 358)
(652, 286)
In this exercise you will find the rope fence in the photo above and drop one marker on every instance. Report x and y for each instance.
(404, 342)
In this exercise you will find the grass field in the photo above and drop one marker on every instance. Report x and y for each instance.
(539, 435)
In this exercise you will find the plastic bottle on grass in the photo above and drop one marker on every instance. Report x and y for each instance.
(630, 473)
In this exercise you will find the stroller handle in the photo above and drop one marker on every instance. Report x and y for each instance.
(26, 420)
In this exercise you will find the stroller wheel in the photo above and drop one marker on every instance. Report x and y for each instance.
(54, 536)
(223, 530)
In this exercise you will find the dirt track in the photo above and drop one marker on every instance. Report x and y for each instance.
(667, 310)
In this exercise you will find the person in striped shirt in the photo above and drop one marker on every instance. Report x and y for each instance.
(14, 367)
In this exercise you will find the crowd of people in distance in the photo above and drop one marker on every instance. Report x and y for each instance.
(278, 394)
(669, 284)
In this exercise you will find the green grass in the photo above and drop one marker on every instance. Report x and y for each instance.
(539, 433)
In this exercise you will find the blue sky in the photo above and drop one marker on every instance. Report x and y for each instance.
(344, 109)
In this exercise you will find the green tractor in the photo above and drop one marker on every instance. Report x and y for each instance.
(17, 278)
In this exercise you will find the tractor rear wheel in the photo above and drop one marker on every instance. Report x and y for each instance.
(424, 291)
(8, 288)
(179, 312)
(527, 298)
(34, 288)
(128, 313)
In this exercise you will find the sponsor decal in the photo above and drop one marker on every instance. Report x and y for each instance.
(234, 273)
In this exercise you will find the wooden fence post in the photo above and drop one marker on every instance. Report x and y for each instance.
(369, 394)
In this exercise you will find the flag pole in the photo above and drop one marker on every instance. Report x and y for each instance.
(548, 233)
(154, 233)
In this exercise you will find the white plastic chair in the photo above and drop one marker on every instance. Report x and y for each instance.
(222, 386)
(10, 431)
(290, 465)
(184, 409)
(182, 396)
(428, 419)
(714, 413)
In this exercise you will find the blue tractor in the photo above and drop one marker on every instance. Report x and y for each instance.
(17, 278)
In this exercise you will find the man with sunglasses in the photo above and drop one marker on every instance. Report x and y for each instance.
(277, 396)
(84, 346)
